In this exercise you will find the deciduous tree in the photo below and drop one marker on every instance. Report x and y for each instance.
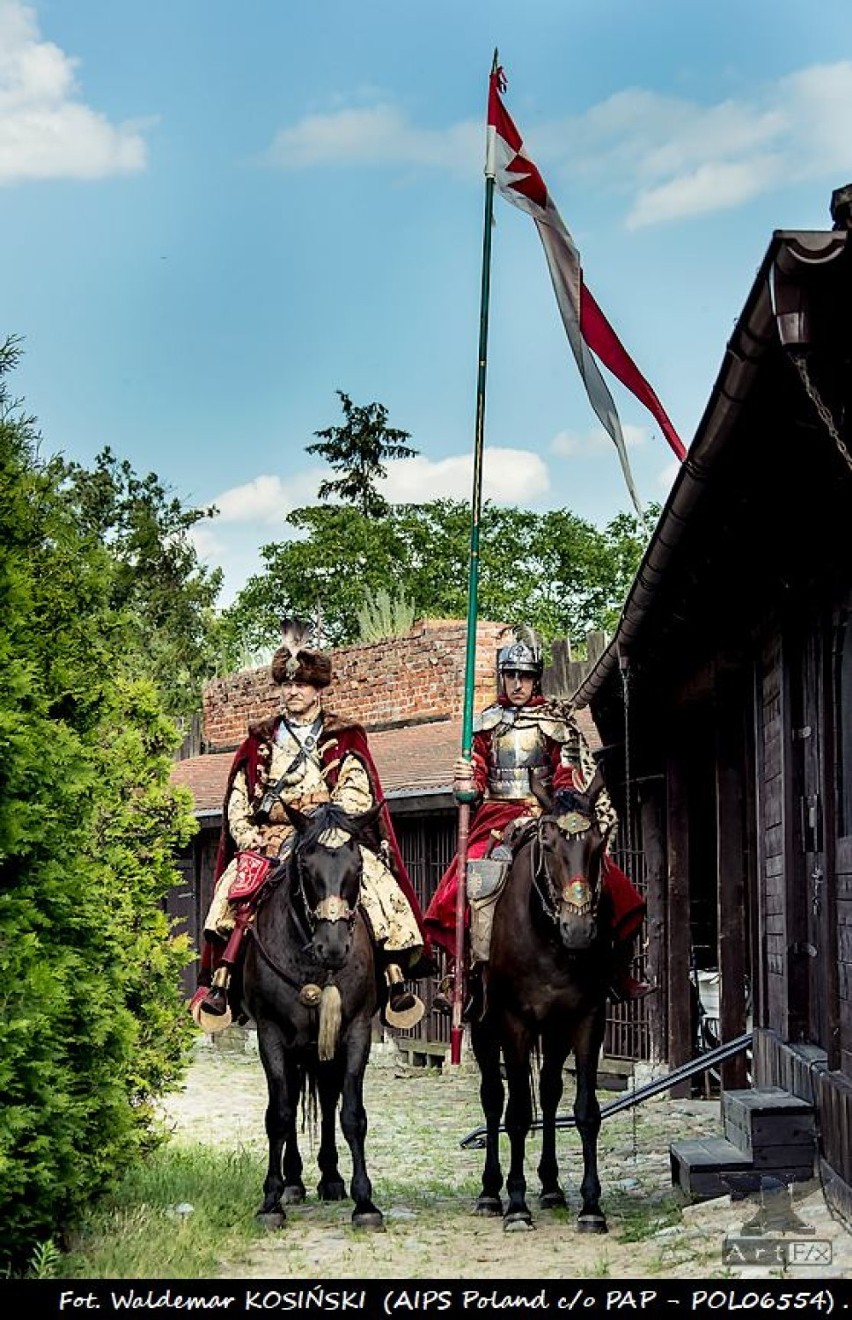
(553, 571)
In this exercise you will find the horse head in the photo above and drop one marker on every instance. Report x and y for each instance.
(569, 866)
(327, 866)
(569, 854)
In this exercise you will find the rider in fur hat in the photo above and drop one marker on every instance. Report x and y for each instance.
(305, 756)
(523, 739)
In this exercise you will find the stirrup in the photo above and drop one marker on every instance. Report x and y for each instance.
(442, 1000)
(404, 1009)
(205, 1009)
(209, 1006)
(628, 990)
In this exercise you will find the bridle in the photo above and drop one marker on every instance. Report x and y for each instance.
(576, 893)
(333, 908)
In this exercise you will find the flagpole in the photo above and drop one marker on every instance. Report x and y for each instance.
(466, 796)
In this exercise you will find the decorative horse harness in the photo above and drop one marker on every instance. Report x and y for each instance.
(576, 893)
(333, 908)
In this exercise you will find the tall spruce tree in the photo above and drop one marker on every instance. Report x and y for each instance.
(359, 449)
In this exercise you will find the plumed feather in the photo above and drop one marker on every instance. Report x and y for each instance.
(294, 634)
(529, 637)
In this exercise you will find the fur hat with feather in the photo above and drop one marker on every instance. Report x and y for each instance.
(295, 661)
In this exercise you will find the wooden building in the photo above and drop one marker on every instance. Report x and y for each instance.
(725, 700)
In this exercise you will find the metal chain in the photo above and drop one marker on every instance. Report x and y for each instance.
(822, 411)
(628, 789)
(628, 786)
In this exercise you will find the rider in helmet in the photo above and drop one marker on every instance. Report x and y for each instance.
(524, 740)
(305, 756)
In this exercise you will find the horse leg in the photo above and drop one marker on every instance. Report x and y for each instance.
(516, 1052)
(353, 1120)
(550, 1085)
(294, 1188)
(486, 1050)
(280, 1120)
(331, 1186)
(587, 1112)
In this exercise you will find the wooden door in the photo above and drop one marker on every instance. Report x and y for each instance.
(812, 926)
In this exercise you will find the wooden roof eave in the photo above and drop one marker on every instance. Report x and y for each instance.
(756, 331)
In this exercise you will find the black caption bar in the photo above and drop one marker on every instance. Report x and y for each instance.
(387, 1297)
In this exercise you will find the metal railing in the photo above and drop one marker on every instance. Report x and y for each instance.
(475, 1140)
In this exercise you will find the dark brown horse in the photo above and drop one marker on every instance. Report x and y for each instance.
(544, 992)
(310, 985)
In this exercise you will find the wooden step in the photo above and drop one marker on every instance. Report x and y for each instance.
(770, 1126)
(699, 1166)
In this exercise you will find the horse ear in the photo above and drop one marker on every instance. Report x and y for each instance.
(599, 851)
(297, 818)
(596, 786)
(540, 791)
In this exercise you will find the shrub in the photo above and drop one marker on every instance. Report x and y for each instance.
(91, 1026)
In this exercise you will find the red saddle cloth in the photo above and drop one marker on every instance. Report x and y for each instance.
(252, 871)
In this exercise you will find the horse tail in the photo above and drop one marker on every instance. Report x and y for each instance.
(330, 1017)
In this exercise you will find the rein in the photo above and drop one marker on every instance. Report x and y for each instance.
(270, 961)
(541, 873)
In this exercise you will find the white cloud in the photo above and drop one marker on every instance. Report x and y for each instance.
(46, 132)
(666, 476)
(674, 157)
(717, 186)
(376, 135)
(509, 476)
(669, 157)
(570, 444)
(267, 499)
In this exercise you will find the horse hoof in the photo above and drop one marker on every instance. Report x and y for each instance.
(591, 1224)
(488, 1206)
(271, 1220)
(518, 1222)
(372, 1220)
(334, 1190)
(294, 1194)
(553, 1201)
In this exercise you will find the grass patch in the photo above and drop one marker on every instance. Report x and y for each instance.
(637, 1221)
(146, 1230)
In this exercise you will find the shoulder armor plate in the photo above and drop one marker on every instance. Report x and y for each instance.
(488, 719)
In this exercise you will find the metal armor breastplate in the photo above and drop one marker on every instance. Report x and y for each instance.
(517, 746)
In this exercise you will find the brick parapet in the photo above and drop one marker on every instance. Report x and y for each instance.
(401, 680)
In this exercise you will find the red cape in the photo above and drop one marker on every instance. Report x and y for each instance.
(339, 738)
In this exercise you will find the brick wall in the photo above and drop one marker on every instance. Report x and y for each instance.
(403, 679)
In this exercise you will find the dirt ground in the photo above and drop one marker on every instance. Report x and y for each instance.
(426, 1185)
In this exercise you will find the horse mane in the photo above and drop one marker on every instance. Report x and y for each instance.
(329, 816)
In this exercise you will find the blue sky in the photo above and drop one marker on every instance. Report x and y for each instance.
(213, 215)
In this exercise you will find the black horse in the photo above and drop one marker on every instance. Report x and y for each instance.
(310, 985)
(544, 991)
